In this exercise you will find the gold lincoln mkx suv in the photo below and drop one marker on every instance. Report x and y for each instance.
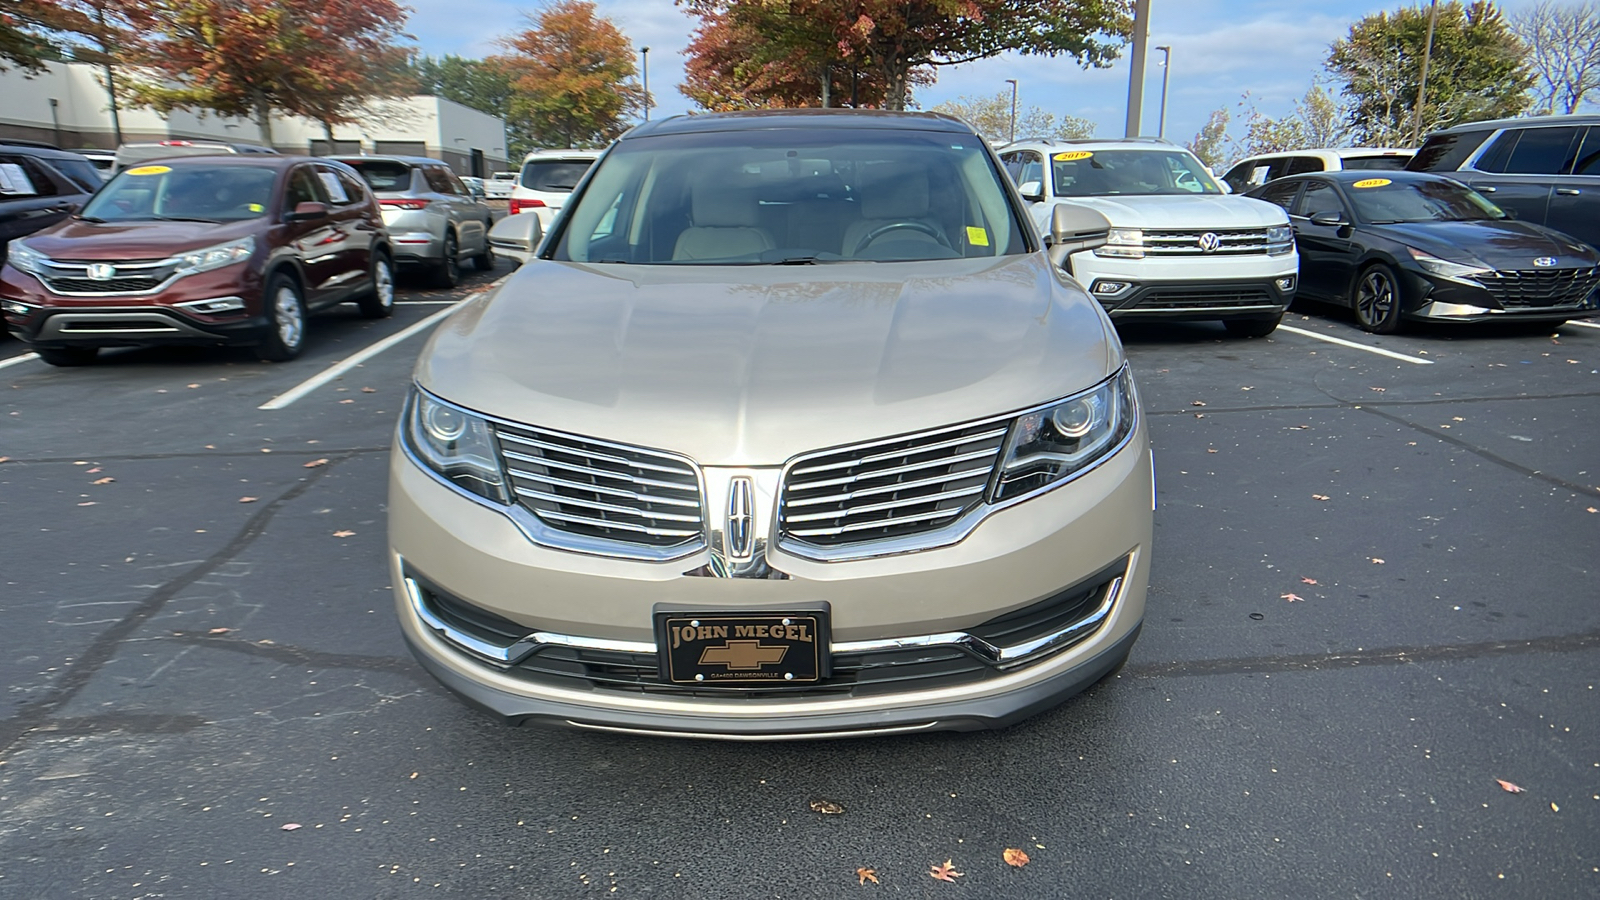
(791, 428)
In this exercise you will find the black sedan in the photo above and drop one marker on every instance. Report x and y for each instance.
(1405, 245)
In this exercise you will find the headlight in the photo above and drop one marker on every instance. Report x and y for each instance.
(1059, 442)
(1127, 243)
(208, 258)
(454, 444)
(1445, 267)
(24, 258)
(1280, 240)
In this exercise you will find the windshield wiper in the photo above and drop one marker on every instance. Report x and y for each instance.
(187, 219)
(95, 219)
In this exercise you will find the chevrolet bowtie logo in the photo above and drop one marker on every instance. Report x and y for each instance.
(742, 656)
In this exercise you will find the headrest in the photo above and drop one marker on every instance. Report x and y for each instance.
(714, 207)
(894, 195)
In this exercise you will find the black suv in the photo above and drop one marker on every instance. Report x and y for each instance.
(1543, 170)
(39, 187)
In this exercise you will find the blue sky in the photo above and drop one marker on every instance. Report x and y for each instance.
(1221, 49)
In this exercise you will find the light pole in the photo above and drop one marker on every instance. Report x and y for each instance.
(644, 52)
(1011, 133)
(1141, 39)
(1422, 84)
(1166, 73)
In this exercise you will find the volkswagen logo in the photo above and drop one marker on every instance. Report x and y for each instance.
(101, 272)
(1209, 242)
(1545, 262)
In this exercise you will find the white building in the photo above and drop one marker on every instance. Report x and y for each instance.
(67, 105)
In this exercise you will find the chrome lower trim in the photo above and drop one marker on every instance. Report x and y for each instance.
(1168, 310)
(60, 326)
(785, 736)
(522, 649)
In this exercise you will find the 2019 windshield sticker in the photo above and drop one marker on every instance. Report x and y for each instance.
(1372, 183)
(1073, 155)
(150, 170)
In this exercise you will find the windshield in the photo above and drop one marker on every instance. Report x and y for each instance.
(787, 196)
(1382, 201)
(554, 176)
(1096, 173)
(203, 193)
(382, 175)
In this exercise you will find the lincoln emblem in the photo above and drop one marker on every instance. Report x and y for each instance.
(1209, 242)
(101, 272)
(742, 656)
(739, 535)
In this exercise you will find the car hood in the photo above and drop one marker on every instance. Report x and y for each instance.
(751, 365)
(82, 240)
(1166, 212)
(1499, 243)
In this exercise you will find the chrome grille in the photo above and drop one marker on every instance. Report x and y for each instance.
(600, 489)
(1536, 288)
(129, 277)
(1233, 242)
(891, 488)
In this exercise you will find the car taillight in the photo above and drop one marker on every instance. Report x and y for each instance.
(405, 204)
(520, 205)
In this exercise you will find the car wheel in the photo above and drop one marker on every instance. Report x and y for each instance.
(1253, 327)
(1376, 300)
(485, 261)
(286, 320)
(447, 273)
(69, 356)
(379, 302)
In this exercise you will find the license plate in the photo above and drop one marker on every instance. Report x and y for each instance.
(743, 649)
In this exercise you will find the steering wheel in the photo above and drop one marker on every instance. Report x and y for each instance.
(882, 230)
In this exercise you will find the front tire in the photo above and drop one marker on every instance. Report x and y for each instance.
(1254, 327)
(379, 302)
(286, 320)
(67, 357)
(447, 274)
(485, 261)
(1376, 300)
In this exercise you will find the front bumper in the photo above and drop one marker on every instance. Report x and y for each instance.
(1441, 299)
(49, 320)
(1094, 531)
(1189, 288)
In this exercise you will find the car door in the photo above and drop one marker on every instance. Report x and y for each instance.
(317, 242)
(439, 182)
(1328, 253)
(474, 234)
(1519, 169)
(351, 234)
(1575, 202)
(31, 198)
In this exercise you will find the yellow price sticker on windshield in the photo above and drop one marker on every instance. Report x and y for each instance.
(1372, 183)
(977, 237)
(150, 170)
(255, 207)
(1072, 155)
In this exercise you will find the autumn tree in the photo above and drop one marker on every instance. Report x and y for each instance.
(1563, 41)
(1318, 120)
(891, 40)
(1477, 70)
(31, 32)
(991, 118)
(316, 58)
(721, 74)
(572, 77)
(1212, 145)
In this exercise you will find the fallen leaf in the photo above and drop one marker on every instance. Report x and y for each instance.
(369, 390)
(826, 807)
(1591, 509)
(1377, 561)
(1292, 598)
(1249, 388)
(211, 446)
(1380, 390)
(1554, 808)
(1457, 419)
(219, 631)
(1211, 450)
(81, 462)
(1197, 403)
(347, 401)
(92, 471)
(345, 534)
(5, 459)
(87, 503)
(1199, 415)
(106, 480)
(1308, 581)
(290, 826)
(946, 872)
(413, 775)
(865, 875)
(1320, 497)
(195, 385)
(1014, 857)
(313, 464)
(248, 499)
(1508, 786)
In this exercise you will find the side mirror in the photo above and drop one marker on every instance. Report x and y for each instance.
(307, 210)
(1031, 191)
(1075, 228)
(517, 237)
(1329, 219)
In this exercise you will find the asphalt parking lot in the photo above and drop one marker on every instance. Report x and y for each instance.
(1373, 596)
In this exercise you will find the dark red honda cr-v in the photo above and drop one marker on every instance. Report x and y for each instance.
(201, 250)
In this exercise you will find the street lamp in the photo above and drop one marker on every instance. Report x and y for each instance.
(1166, 72)
(644, 52)
(1012, 131)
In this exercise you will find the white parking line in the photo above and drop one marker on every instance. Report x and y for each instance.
(18, 360)
(1584, 324)
(1355, 346)
(424, 302)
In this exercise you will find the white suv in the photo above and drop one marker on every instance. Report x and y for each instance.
(547, 178)
(1181, 247)
(1255, 171)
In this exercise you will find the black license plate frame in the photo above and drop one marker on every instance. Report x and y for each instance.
(739, 648)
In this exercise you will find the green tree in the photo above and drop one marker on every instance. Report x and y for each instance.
(572, 77)
(1477, 70)
(991, 118)
(1212, 145)
(483, 84)
(1317, 121)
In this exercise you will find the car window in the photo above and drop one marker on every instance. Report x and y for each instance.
(457, 186)
(1013, 165)
(438, 180)
(80, 172)
(354, 188)
(1530, 151)
(383, 175)
(1319, 196)
(333, 187)
(1446, 152)
(1032, 169)
(1380, 201)
(21, 177)
(814, 196)
(1301, 165)
(1281, 193)
(1086, 173)
(554, 176)
(1376, 163)
(209, 193)
(302, 189)
(1588, 156)
(1246, 175)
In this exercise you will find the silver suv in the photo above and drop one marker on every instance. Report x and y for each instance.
(433, 219)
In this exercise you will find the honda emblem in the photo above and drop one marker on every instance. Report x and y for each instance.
(101, 271)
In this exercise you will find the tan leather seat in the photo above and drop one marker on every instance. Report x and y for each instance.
(725, 224)
(887, 198)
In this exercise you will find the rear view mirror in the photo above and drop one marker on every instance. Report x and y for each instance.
(308, 210)
(1031, 191)
(516, 237)
(1075, 228)
(1329, 219)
